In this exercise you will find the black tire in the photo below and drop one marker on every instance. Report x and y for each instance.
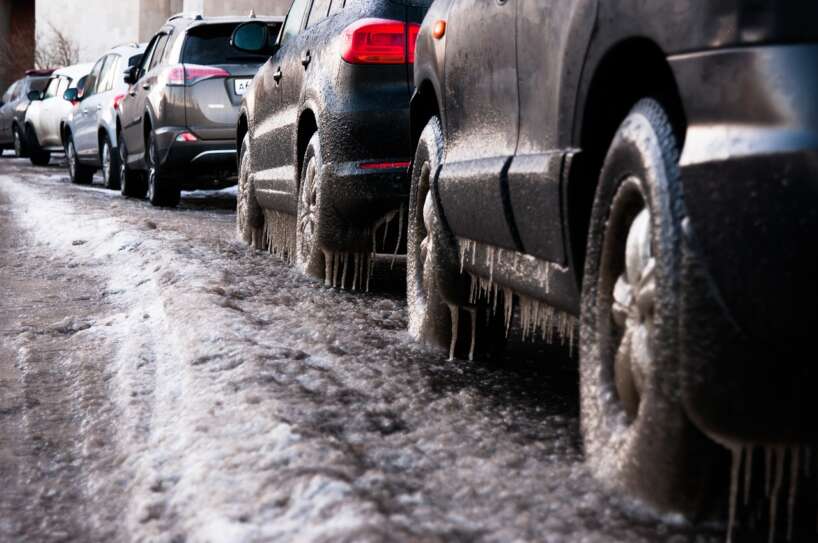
(132, 184)
(429, 315)
(19, 142)
(109, 160)
(638, 439)
(36, 154)
(163, 191)
(249, 216)
(77, 173)
(309, 257)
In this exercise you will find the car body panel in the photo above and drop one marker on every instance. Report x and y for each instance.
(45, 117)
(13, 110)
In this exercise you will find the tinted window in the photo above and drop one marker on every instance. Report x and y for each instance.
(210, 44)
(108, 73)
(37, 84)
(146, 59)
(319, 11)
(64, 82)
(295, 18)
(51, 91)
(160, 49)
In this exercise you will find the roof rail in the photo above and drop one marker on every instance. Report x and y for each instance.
(184, 15)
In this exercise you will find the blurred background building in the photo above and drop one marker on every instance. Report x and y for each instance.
(48, 32)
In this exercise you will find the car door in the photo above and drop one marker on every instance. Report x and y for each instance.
(482, 118)
(85, 132)
(58, 112)
(552, 38)
(39, 113)
(276, 120)
(138, 98)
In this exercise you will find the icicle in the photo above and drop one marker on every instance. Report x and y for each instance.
(734, 475)
(356, 265)
(400, 238)
(794, 458)
(779, 475)
(473, 253)
(748, 473)
(768, 473)
(508, 306)
(455, 313)
(473, 312)
(344, 274)
(327, 268)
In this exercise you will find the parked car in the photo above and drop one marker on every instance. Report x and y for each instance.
(48, 111)
(652, 186)
(179, 118)
(89, 134)
(13, 106)
(324, 133)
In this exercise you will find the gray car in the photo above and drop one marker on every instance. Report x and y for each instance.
(13, 106)
(179, 118)
(89, 134)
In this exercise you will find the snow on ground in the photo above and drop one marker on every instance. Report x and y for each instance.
(252, 404)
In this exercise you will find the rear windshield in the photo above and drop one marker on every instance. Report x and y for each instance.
(210, 44)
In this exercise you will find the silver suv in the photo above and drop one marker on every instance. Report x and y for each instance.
(89, 134)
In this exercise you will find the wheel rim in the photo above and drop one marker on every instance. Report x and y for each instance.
(152, 170)
(106, 162)
(18, 143)
(309, 206)
(123, 177)
(423, 226)
(629, 296)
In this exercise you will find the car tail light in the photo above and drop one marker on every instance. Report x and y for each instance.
(187, 137)
(383, 165)
(380, 41)
(118, 100)
(188, 74)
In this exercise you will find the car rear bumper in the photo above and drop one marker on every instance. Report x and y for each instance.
(357, 199)
(749, 173)
(201, 159)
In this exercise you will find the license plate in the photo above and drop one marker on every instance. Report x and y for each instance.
(241, 85)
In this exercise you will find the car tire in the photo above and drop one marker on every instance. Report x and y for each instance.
(429, 315)
(19, 143)
(163, 191)
(109, 160)
(77, 173)
(309, 256)
(249, 216)
(36, 154)
(638, 438)
(131, 183)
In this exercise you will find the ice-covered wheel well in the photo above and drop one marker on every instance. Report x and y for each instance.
(241, 131)
(424, 106)
(307, 126)
(632, 70)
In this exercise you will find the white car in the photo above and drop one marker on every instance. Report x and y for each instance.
(48, 111)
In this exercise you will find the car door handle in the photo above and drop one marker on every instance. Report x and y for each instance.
(277, 75)
(85, 110)
(146, 86)
(306, 59)
(99, 107)
(132, 93)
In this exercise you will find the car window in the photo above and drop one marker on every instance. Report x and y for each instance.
(93, 77)
(318, 12)
(160, 49)
(210, 44)
(337, 5)
(7, 97)
(64, 83)
(38, 84)
(146, 58)
(293, 24)
(108, 73)
(51, 90)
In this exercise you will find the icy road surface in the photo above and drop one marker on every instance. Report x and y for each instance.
(159, 381)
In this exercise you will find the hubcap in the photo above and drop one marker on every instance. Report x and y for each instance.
(633, 296)
(72, 166)
(309, 206)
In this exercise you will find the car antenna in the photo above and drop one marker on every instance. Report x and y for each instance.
(252, 13)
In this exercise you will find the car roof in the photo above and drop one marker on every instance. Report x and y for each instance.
(127, 49)
(75, 71)
(193, 21)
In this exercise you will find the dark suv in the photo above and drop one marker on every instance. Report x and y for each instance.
(640, 177)
(178, 121)
(324, 133)
(13, 106)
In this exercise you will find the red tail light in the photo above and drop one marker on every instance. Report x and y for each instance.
(383, 165)
(188, 74)
(118, 100)
(380, 41)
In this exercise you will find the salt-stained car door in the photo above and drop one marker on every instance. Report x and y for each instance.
(482, 109)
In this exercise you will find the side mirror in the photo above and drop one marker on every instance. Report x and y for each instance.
(35, 95)
(71, 95)
(135, 60)
(131, 74)
(253, 37)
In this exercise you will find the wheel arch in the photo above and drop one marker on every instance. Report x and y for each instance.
(423, 106)
(628, 71)
(307, 126)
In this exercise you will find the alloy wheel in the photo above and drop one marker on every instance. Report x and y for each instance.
(18, 143)
(106, 162)
(309, 203)
(72, 160)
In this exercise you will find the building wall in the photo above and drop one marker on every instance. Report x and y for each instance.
(16, 39)
(237, 7)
